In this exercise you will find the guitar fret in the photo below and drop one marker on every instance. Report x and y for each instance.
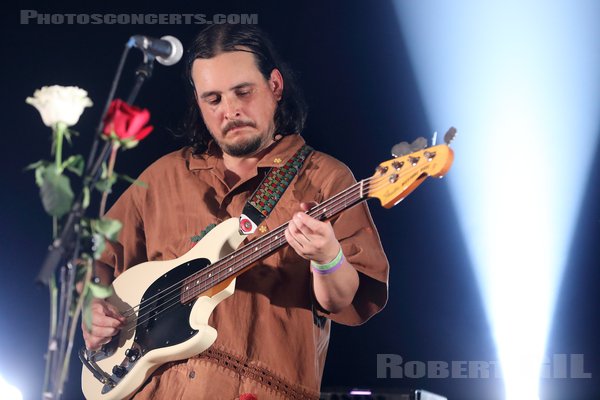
(247, 255)
(241, 258)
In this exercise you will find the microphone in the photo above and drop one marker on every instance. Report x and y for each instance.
(168, 50)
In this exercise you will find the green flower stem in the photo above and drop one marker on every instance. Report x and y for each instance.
(59, 133)
(109, 172)
(74, 319)
(52, 335)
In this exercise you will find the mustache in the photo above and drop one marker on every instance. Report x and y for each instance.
(237, 123)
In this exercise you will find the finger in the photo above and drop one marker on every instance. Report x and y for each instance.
(101, 306)
(301, 236)
(97, 336)
(112, 311)
(307, 206)
(103, 331)
(298, 247)
(98, 340)
(106, 321)
(292, 238)
(301, 221)
(92, 345)
(309, 224)
(299, 243)
(95, 343)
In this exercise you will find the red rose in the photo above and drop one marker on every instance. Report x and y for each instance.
(126, 123)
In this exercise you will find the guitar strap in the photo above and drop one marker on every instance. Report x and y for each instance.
(270, 190)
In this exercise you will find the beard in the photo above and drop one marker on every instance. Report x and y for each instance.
(243, 148)
(248, 146)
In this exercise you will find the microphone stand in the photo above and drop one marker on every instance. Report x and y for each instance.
(65, 250)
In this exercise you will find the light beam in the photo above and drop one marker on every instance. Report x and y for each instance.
(520, 81)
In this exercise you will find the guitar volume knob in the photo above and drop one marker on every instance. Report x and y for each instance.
(119, 371)
(132, 354)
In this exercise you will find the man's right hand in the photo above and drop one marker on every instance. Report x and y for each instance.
(106, 323)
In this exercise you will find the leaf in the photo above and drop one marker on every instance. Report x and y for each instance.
(99, 245)
(105, 185)
(39, 175)
(129, 179)
(56, 193)
(129, 143)
(86, 197)
(104, 171)
(67, 136)
(100, 291)
(36, 165)
(39, 167)
(101, 230)
(81, 272)
(68, 133)
(108, 228)
(74, 164)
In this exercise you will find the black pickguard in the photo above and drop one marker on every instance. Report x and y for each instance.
(164, 320)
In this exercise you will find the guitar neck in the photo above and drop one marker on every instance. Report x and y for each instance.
(275, 239)
(393, 181)
(240, 260)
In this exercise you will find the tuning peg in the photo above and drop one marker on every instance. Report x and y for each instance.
(450, 135)
(401, 149)
(419, 144)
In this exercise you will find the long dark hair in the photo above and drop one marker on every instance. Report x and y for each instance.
(291, 111)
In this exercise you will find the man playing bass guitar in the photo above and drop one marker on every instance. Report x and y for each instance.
(245, 119)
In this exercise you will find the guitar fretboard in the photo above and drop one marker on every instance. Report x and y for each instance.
(239, 260)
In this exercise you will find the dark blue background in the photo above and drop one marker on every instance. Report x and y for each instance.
(358, 80)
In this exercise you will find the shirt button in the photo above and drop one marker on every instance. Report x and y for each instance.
(192, 374)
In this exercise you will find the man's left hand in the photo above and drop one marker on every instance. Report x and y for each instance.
(310, 238)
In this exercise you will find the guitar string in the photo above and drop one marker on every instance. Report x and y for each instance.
(241, 259)
(333, 203)
(258, 242)
(174, 300)
(200, 288)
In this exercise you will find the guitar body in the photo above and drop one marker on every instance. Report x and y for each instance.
(167, 328)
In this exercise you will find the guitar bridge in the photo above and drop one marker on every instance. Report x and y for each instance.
(119, 371)
(87, 359)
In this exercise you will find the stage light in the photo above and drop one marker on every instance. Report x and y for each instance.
(520, 82)
(9, 392)
(360, 392)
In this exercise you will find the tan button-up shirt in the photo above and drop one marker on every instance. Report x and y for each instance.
(272, 335)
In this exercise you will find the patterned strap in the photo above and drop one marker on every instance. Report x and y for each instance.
(272, 187)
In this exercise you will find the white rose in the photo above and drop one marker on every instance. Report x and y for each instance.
(60, 104)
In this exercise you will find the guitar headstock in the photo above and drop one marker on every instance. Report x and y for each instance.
(396, 178)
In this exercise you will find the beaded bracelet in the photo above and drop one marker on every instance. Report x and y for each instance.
(332, 266)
